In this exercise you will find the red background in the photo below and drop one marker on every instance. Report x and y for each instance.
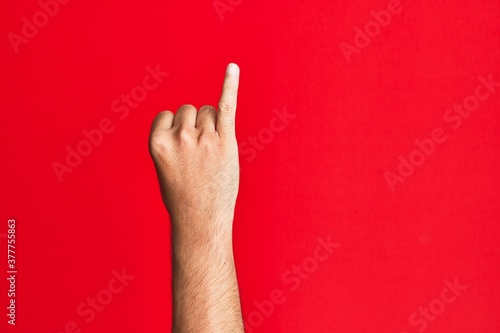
(322, 175)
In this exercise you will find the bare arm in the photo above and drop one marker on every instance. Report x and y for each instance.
(196, 159)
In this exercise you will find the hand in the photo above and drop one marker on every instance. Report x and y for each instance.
(196, 158)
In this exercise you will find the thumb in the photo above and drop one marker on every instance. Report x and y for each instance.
(228, 101)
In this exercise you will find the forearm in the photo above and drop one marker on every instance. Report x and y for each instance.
(205, 288)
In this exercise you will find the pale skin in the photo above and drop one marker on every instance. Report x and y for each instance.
(196, 158)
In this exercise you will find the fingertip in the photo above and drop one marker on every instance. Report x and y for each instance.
(233, 69)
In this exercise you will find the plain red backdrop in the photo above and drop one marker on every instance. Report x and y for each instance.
(322, 175)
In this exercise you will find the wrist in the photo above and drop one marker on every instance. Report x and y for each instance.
(210, 251)
(202, 223)
(202, 233)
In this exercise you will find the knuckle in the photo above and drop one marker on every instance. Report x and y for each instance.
(185, 135)
(225, 107)
(158, 144)
(207, 139)
(207, 108)
(207, 111)
(160, 116)
(187, 107)
(165, 114)
(229, 85)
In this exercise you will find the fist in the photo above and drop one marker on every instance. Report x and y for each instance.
(195, 154)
